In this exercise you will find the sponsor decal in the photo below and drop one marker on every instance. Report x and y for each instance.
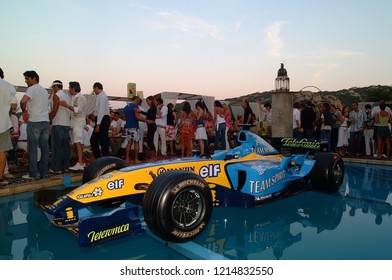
(190, 182)
(96, 192)
(70, 216)
(211, 170)
(260, 198)
(115, 185)
(106, 168)
(263, 185)
(263, 150)
(108, 233)
(106, 176)
(259, 236)
(188, 234)
(260, 169)
(186, 168)
(69, 213)
(301, 143)
(54, 205)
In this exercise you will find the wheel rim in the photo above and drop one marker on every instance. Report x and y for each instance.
(337, 172)
(188, 208)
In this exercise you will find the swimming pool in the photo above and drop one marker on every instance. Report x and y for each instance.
(354, 224)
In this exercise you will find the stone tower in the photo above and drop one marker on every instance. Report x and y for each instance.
(282, 107)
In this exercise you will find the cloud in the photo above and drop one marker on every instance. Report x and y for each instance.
(328, 54)
(237, 26)
(273, 40)
(188, 24)
(344, 53)
(322, 72)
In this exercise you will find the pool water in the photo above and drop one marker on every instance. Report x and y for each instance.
(353, 224)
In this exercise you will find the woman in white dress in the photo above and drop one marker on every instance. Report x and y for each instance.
(201, 133)
(343, 131)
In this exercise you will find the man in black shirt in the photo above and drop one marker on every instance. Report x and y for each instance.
(308, 117)
(247, 114)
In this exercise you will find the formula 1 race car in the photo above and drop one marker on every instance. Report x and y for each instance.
(176, 196)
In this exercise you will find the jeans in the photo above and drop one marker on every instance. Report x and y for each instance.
(38, 135)
(326, 135)
(353, 135)
(60, 147)
(220, 136)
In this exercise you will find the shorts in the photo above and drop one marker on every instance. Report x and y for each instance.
(201, 133)
(383, 132)
(132, 134)
(5, 141)
(77, 134)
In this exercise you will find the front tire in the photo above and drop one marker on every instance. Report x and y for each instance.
(328, 172)
(177, 206)
(100, 167)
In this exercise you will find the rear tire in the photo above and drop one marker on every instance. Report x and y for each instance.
(328, 172)
(177, 206)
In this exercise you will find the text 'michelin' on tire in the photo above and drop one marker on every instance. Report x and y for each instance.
(100, 167)
(177, 206)
(328, 172)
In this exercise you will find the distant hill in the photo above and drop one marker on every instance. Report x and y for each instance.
(337, 98)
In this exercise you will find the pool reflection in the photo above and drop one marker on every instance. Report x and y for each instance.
(250, 231)
(267, 231)
(25, 233)
(368, 190)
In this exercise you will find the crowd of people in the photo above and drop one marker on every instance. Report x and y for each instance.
(49, 126)
(54, 130)
(348, 131)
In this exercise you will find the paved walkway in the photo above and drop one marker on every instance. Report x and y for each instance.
(20, 186)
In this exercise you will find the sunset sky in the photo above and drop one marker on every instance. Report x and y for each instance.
(221, 48)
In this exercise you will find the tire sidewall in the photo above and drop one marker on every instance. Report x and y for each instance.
(322, 175)
(334, 185)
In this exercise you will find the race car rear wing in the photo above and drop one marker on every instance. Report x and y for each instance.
(300, 145)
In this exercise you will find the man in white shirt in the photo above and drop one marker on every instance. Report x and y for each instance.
(297, 130)
(35, 104)
(100, 137)
(14, 139)
(161, 122)
(78, 122)
(116, 125)
(7, 101)
(61, 122)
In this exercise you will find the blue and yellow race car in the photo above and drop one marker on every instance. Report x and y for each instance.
(175, 197)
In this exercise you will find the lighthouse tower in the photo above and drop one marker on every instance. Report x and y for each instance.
(282, 107)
